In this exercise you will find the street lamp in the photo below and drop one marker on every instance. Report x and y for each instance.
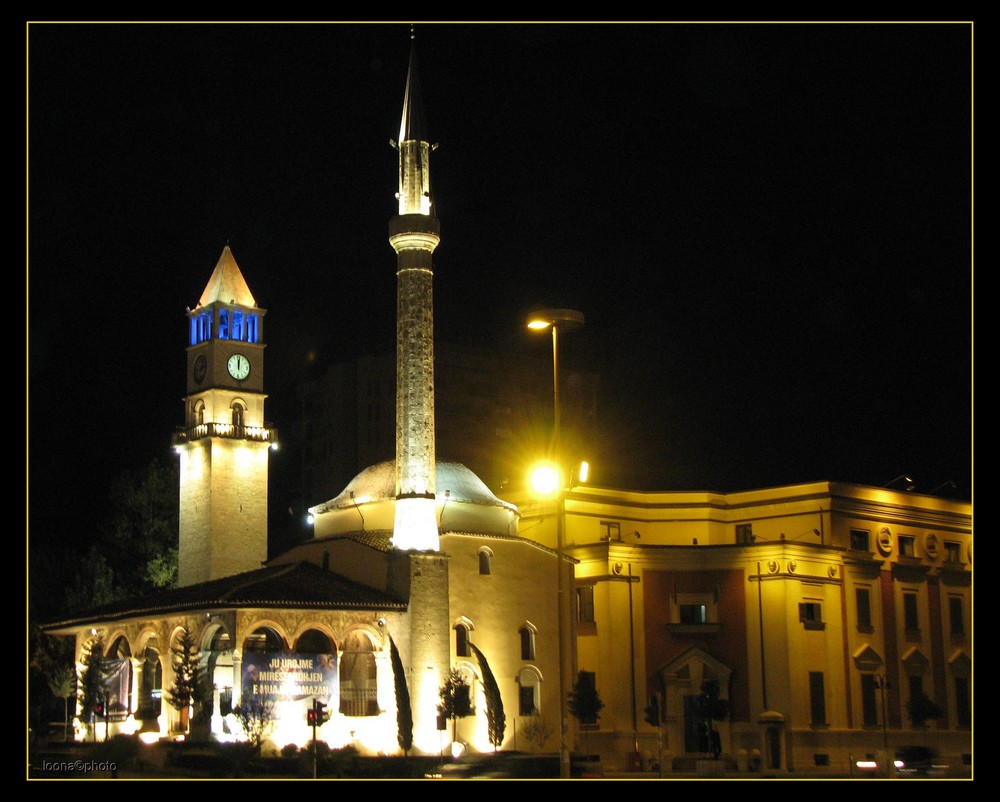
(906, 476)
(547, 480)
(540, 320)
(882, 684)
(555, 319)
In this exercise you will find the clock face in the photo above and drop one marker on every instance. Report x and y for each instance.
(200, 368)
(239, 367)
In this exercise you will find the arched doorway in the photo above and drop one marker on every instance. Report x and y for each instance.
(150, 703)
(358, 676)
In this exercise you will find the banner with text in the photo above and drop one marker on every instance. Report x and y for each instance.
(291, 676)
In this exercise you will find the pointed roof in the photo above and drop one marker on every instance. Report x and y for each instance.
(413, 126)
(227, 284)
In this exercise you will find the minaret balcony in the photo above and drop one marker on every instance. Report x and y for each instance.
(256, 434)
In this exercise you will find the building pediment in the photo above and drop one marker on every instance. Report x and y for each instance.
(867, 659)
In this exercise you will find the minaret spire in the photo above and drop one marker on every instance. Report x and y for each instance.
(414, 234)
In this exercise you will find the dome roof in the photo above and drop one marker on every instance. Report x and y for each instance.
(378, 483)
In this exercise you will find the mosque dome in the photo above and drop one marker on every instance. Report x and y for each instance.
(464, 503)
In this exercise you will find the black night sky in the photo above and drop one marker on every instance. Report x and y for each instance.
(767, 226)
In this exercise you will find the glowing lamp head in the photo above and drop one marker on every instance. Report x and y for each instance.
(542, 319)
(544, 479)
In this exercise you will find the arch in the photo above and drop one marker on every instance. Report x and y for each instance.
(150, 701)
(463, 637)
(529, 693)
(264, 638)
(119, 648)
(315, 641)
(238, 411)
(485, 561)
(358, 675)
(220, 665)
(198, 412)
(117, 679)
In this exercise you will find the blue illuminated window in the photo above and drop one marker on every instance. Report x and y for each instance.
(237, 325)
(223, 324)
(253, 334)
(204, 326)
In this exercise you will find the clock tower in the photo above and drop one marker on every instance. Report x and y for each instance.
(224, 443)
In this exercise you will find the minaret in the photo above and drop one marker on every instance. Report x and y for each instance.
(224, 443)
(414, 234)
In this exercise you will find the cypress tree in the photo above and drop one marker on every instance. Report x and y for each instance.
(495, 717)
(404, 715)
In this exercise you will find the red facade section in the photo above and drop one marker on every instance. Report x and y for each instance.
(727, 643)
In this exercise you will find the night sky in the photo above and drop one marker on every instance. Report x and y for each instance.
(767, 227)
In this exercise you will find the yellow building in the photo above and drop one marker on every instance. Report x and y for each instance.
(821, 609)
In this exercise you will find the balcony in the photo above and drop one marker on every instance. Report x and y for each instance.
(257, 434)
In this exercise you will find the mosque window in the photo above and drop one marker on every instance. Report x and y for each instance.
(527, 634)
(529, 686)
(462, 641)
(485, 562)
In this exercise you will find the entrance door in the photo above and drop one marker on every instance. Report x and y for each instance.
(696, 726)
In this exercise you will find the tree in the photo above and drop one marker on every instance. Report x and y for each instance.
(90, 692)
(52, 657)
(136, 548)
(142, 530)
(256, 715)
(496, 719)
(456, 700)
(404, 715)
(712, 708)
(920, 707)
(186, 687)
(584, 702)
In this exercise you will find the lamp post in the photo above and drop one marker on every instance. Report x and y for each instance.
(882, 684)
(540, 320)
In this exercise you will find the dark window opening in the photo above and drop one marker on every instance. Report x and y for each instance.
(817, 698)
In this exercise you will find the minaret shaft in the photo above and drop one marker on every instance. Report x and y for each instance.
(414, 234)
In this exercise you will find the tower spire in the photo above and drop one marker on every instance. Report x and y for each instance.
(414, 234)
